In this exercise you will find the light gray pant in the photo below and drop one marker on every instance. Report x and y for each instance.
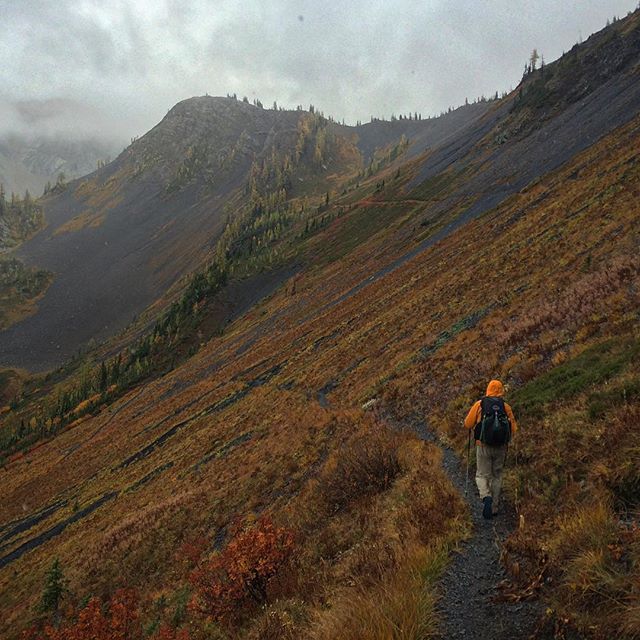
(489, 466)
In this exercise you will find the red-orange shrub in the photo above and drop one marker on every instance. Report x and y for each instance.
(242, 572)
(119, 620)
(169, 633)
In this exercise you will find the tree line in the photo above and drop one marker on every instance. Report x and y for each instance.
(19, 218)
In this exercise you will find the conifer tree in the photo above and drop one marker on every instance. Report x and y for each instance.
(535, 56)
(55, 587)
(104, 376)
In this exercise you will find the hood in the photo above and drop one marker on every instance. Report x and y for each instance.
(495, 389)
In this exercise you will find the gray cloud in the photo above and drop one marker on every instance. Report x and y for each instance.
(57, 117)
(119, 66)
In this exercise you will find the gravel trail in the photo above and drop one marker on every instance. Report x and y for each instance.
(469, 606)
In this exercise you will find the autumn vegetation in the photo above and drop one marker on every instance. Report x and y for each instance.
(359, 527)
(20, 286)
(246, 491)
(241, 573)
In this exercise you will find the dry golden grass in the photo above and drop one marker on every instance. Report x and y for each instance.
(377, 558)
(399, 607)
(374, 511)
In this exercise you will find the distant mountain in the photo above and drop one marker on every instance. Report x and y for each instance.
(30, 163)
(120, 238)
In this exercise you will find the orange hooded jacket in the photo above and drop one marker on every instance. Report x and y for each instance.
(495, 389)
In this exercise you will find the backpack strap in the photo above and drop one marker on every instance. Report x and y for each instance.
(477, 429)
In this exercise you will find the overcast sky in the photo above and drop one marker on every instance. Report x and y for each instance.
(117, 66)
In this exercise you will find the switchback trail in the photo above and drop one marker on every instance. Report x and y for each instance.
(469, 607)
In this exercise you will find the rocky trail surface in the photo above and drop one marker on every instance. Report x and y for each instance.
(470, 606)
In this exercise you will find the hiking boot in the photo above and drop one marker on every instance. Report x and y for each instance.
(487, 507)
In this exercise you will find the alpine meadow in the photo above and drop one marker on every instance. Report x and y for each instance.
(236, 359)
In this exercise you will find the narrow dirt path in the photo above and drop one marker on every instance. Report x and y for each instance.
(468, 607)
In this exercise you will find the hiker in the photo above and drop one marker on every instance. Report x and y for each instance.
(493, 423)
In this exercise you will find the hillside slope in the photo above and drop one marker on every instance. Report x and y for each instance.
(118, 239)
(424, 280)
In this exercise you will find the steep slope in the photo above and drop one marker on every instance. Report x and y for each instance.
(121, 237)
(117, 239)
(218, 432)
(415, 294)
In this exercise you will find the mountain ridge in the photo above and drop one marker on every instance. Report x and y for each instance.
(186, 164)
(418, 280)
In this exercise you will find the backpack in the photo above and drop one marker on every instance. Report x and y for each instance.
(494, 428)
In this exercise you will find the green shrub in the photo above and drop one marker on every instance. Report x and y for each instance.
(593, 366)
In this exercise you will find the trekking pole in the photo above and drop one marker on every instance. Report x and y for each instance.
(466, 482)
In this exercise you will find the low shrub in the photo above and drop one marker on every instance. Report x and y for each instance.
(240, 575)
(365, 465)
(117, 619)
